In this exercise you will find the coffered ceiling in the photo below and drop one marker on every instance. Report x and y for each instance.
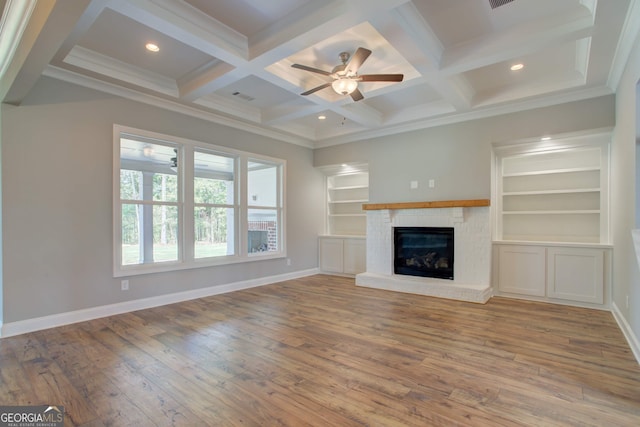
(230, 61)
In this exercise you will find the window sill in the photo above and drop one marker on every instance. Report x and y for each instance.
(167, 267)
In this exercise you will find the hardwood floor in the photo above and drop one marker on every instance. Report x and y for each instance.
(320, 351)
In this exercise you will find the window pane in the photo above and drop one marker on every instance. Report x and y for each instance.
(165, 187)
(165, 233)
(263, 230)
(214, 178)
(130, 185)
(156, 224)
(131, 248)
(262, 184)
(213, 232)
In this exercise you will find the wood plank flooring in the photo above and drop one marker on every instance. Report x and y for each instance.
(320, 351)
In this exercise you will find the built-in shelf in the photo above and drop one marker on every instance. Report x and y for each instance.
(553, 191)
(346, 193)
(428, 205)
(550, 212)
(348, 201)
(562, 191)
(551, 171)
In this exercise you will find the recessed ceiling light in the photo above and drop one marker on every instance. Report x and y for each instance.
(517, 67)
(545, 138)
(322, 117)
(152, 47)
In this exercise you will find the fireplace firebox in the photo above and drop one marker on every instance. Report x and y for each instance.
(423, 251)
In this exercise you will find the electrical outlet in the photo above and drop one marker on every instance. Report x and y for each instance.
(432, 183)
(413, 185)
(124, 285)
(288, 261)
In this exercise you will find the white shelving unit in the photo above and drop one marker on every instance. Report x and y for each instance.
(551, 219)
(555, 194)
(342, 250)
(346, 193)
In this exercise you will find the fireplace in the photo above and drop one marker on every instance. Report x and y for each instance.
(423, 251)
(471, 225)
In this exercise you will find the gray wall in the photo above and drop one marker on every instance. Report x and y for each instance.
(57, 197)
(626, 275)
(458, 156)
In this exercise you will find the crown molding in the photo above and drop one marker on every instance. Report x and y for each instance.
(15, 19)
(112, 68)
(130, 94)
(481, 113)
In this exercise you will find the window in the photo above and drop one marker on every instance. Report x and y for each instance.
(183, 204)
(263, 207)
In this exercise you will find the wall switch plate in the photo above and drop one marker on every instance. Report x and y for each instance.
(124, 285)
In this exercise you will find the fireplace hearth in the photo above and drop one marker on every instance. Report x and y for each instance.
(424, 251)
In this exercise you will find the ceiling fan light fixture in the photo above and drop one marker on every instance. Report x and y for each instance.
(344, 86)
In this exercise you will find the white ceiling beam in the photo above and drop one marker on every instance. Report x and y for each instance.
(311, 24)
(186, 24)
(49, 24)
(223, 105)
(110, 68)
(279, 114)
(519, 41)
(410, 34)
(209, 78)
(360, 113)
(85, 22)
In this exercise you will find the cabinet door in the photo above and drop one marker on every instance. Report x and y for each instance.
(521, 269)
(576, 274)
(331, 255)
(355, 256)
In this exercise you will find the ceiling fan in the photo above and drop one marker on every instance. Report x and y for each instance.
(345, 76)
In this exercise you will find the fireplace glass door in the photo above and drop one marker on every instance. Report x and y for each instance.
(424, 251)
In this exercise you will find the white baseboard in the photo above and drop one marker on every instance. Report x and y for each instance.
(627, 331)
(55, 320)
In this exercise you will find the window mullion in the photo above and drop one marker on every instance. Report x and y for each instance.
(146, 219)
(187, 215)
(243, 210)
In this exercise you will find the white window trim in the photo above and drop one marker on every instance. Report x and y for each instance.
(186, 258)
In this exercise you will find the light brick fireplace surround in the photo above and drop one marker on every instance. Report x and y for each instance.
(470, 220)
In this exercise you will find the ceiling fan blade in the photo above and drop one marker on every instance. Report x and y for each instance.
(315, 89)
(357, 59)
(381, 77)
(356, 95)
(313, 70)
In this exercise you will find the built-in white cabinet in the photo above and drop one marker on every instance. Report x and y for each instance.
(550, 204)
(342, 255)
(557, 273)
(576, 274)
(522, 269)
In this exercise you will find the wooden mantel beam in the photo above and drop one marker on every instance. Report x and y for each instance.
(427, 205)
